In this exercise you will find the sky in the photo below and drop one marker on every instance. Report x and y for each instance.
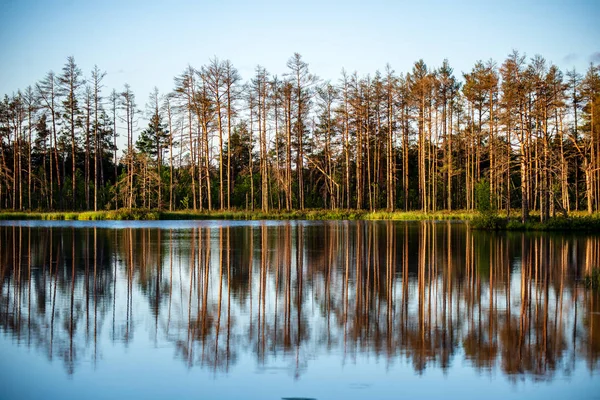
(147, 43)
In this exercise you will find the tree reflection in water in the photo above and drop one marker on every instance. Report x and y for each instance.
(429, 293)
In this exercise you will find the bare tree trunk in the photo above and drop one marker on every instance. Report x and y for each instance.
(449, 160)
(171, 133)
(88, 111)
(288, 145)
(368, 144)
(359, 152)
(524, 175)
(231, 78)
(276, 105)
(207, 163)
(391, 164)
(214, 76)
(192, 159)
(263, 144)
(347, 143)
(405, 154)
(29, 119)
(97, 77)
(113, 99)
(251, 105)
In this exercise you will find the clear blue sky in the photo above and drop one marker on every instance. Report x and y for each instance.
(146, 43)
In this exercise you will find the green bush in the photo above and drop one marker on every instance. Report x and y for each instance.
(515, 225)
(488, 221)
(482, 194)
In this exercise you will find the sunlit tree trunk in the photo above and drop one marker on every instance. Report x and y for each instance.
(231, 79)
(97, 77)
(113, 100)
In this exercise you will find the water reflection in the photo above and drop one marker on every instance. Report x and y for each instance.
(431, 294)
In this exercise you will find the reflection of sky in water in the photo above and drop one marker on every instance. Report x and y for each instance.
(336, 356)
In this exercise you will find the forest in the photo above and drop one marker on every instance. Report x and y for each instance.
(521, 131)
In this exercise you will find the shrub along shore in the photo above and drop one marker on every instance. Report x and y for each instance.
(578, 222)
(575, 222)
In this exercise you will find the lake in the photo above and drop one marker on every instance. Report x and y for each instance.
(284, 310)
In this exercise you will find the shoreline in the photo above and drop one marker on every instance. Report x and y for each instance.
(574, 222)
(153, 215)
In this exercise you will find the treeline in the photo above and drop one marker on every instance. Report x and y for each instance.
(521, 132)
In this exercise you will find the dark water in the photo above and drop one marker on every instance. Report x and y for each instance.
(271, 310)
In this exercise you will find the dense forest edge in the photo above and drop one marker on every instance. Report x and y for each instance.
(516, 137)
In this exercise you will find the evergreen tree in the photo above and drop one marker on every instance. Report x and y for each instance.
(70, 82)
(152, 142)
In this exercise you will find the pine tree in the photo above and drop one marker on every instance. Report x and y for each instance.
(70, 82)
(153, 140)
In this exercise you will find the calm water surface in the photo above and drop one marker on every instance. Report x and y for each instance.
(272, 310)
